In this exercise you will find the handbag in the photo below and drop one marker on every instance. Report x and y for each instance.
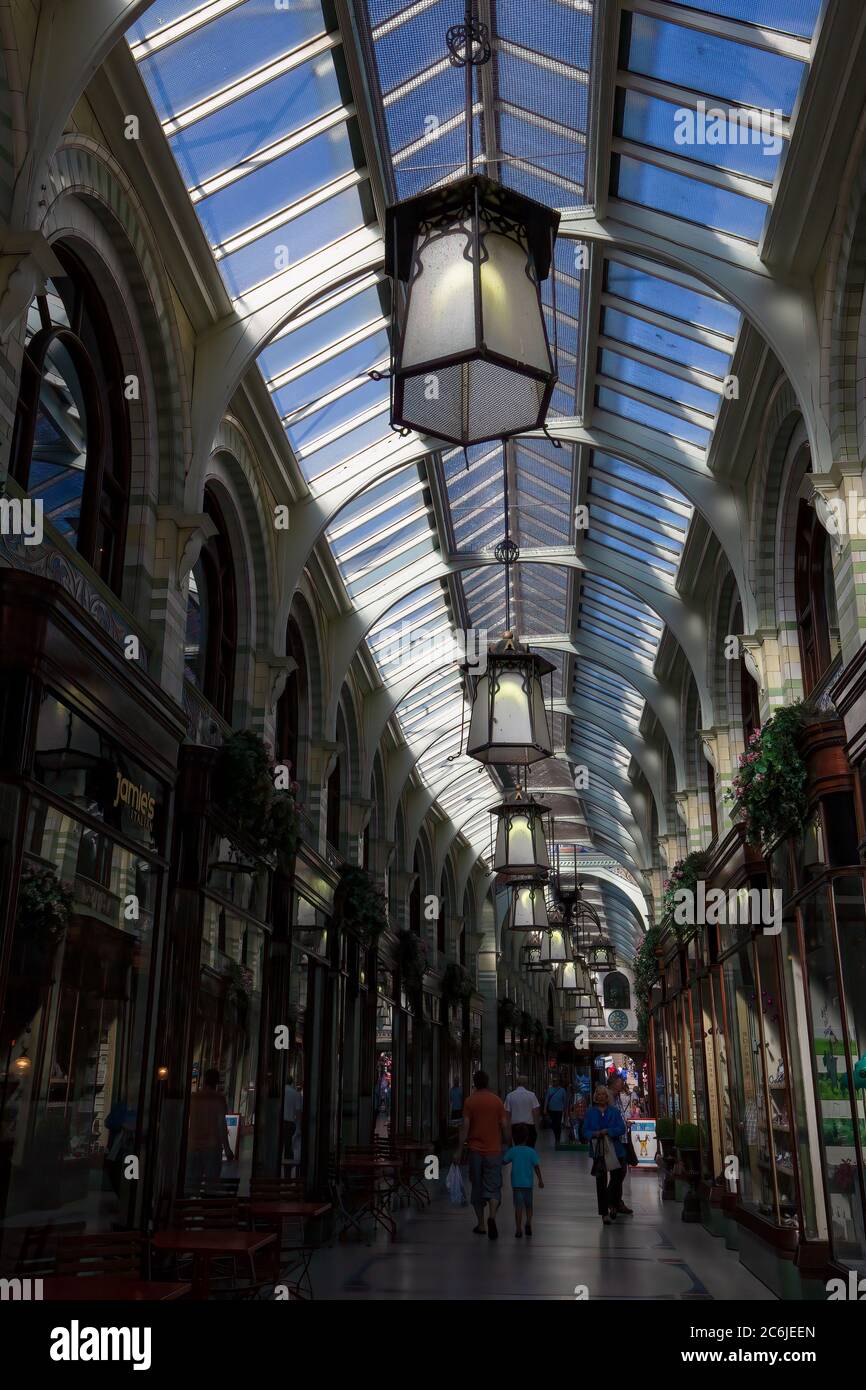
(604, 1159)
(454, 1184)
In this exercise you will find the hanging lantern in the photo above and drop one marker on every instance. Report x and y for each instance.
(554, 948)
(571, 979)
(600, 955)
(527, 910)
(471, 356)
(509, 722)
(521, 849)
(531, 954)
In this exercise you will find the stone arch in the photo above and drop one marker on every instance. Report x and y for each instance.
(224, 483)
(81, 168)
(782, 419)
(843, 312)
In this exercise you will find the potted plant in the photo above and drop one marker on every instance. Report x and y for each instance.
(360, 904)
(413, 955)
(687, 1142)
(44, 905)
(665, 1129)
(260, 818)
(457, 984)
(769, 789)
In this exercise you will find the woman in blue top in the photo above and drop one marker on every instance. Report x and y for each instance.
(602, 1119)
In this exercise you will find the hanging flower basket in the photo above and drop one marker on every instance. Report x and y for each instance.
(260, 818)
(360, 904)
(684, 876)
(413, 955)
(44, 905)
(509, 1014)
(457, 983)
(646, 972)
(768, 792)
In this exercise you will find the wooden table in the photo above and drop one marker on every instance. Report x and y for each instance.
(378, 1197)
(280, 1210)
(206, 1245)
(103, 1288)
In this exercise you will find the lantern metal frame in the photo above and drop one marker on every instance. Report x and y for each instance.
(601, 955)
(503, 658)
(474, 206)
(539, 919)
(531, 955)
(521, 805)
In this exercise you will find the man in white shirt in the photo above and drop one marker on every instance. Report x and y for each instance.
(524, 1108)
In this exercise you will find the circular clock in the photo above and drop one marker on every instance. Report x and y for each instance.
(617, 1020)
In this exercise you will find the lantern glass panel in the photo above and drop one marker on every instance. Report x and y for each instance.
(528, 909)
(440, 314)
(508, 724)
(520, 843)
(512, 320)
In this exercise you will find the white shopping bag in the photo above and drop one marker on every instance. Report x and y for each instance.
(454, 1183)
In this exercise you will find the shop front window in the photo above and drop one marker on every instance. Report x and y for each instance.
(226, 1046)
(384, 1081)
(73, 1043)
(838, 1043)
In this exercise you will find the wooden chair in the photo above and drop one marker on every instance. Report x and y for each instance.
(31, 1251)
(115, 1254)
(217, 1214)
(276, 1189)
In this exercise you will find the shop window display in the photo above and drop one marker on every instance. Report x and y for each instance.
(837, 1046)
(74, 1034)
(226, 1038)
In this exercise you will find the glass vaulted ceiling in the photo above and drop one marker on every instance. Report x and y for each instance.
(256, 103)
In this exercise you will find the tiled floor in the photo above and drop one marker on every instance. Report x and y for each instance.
(651, 1255)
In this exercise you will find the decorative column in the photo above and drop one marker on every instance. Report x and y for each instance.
(838, 499)
(179, 538)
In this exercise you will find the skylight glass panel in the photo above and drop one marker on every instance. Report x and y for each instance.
(326, 331)
(651, 186)
(667, 297)
(271, 188)
(620, 469)
(634, 373)
(643, 414)
(648, 120)
(662, 341)
(736, 72)
(291, 242)
(230, 47)
(237, 132)
(663, 515)
(160, 15)
(795, 17)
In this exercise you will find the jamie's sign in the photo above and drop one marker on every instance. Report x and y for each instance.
(79, 763)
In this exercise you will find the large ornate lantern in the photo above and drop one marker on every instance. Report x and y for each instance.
(571, 979)
(531, 954)
(471, 360)
(600, 955)
(527, 910)
(554, 948)
(521, 849)
(509, 723)
(471, 356)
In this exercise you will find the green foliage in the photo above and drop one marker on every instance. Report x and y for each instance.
(685, 874)
(457, 983)
(769, 790)
(360, 903)
(686, 1136)
(414, 957)
(646, 970)
(665, 1127)
(259, 818)
(44, 903)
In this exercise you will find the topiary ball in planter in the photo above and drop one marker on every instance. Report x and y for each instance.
(686, 1138)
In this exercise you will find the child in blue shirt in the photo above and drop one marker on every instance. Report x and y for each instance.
(524, 1165)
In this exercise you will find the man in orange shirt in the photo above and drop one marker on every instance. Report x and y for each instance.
(485, 1132)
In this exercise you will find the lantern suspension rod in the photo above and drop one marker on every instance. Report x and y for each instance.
(469, 22)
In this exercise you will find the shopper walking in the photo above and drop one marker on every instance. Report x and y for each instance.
(524, 1108)
(620, 1098)
(554, 1105)
(525, 1164)
(604, 1121)
(485, 1132)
